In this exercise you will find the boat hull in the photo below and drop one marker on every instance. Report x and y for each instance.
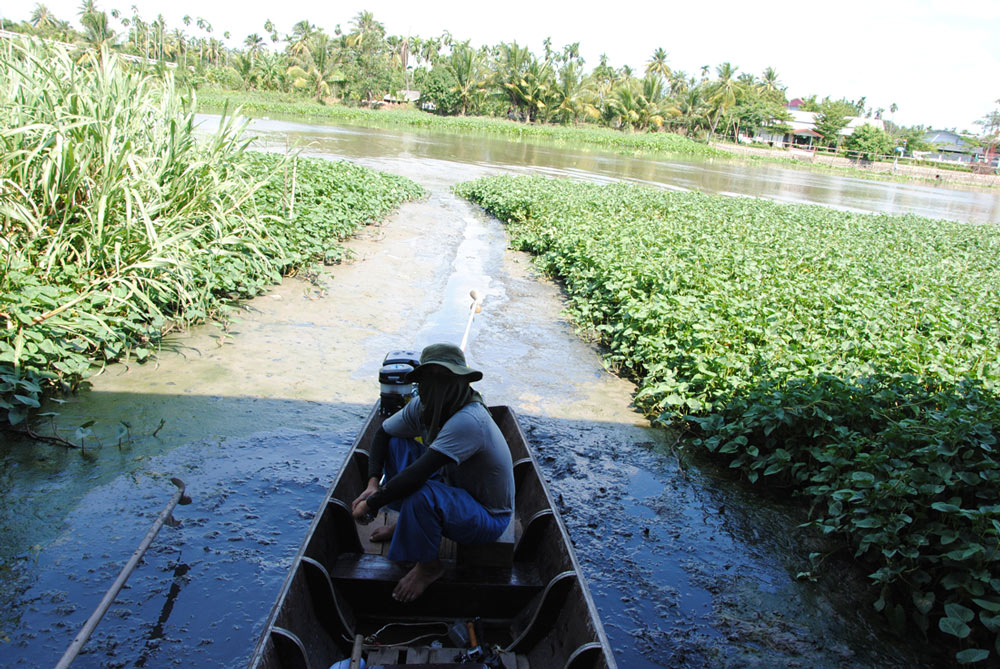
(526, 592)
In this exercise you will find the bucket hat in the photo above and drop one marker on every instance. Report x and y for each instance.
(448, 356)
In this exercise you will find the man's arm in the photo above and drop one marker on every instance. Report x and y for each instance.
(376, 462)
(376, 455)
(408, 481)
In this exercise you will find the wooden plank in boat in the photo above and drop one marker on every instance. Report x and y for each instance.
(383, 657)
(365, 533)
(464, 591)
(363, 566)
(448, 547)
(425, 657)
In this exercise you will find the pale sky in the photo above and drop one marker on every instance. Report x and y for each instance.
(938, 60)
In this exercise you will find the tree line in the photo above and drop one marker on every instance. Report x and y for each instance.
(363, 65)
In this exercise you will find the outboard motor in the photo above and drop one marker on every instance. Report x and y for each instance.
(395, 392)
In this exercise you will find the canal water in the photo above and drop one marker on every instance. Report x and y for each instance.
(686, 567)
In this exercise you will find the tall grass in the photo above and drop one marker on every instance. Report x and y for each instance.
(117, 220)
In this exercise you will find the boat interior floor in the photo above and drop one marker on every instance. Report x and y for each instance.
(500, 592)
(439, 658)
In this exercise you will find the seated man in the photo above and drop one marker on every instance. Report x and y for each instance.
(459, 483)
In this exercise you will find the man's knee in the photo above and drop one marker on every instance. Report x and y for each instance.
(420, 502)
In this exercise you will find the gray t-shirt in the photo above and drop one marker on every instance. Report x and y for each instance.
(482, 464)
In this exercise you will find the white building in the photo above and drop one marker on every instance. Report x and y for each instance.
(803, 128)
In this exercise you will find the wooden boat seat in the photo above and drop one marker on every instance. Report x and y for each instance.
(499, 553)
(464, 591)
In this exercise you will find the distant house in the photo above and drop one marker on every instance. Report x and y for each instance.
(402, 96)
(803, 128)
(949, 145)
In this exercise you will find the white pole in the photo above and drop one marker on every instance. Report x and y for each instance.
(475, 309)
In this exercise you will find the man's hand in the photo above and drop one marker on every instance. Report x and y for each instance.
(359, 507)
(362, 514)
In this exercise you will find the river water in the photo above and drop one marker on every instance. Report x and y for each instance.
(686, 568)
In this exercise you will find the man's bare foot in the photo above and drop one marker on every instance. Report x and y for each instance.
(383, 534)
(417, 579)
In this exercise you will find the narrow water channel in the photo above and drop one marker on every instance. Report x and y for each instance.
(686, 568)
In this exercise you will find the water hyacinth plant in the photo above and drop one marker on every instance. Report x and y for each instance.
(853, 359)
(119, 221)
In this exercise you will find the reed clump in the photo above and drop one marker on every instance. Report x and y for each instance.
(119, 220)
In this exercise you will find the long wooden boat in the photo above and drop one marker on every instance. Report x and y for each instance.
(520, 603)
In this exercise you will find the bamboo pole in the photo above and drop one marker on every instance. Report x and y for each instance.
(95, 617)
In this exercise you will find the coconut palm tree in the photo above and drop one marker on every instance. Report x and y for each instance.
(254, 44)
(176, 44)
(724, 92)
(317, 68)
(365, 26)
(214, 48)
(430, 50)
(271, 71)
(466, 65)
(657, 65)
(571, 98)
(269, 29)
(97, 31)
(243, 64)
(678, 82)
(639, 104)
(509, 70)
(400, 55)
(299, 38)
(535, 88)
(623, 107)
(42, 18)
(690, 111)
(369, 59)
(159, 33)
(602, 80)
(769, 82)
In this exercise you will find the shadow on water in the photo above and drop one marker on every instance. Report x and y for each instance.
(683, 571)
(203, 589)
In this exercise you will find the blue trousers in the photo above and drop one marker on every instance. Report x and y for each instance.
(436, 509)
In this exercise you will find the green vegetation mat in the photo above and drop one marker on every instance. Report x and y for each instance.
(852, 359)
(264, 103)
(118, 222)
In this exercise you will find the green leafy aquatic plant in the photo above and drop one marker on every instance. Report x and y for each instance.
(118, 221)
(852, 359)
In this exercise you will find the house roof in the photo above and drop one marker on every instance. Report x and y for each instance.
(946, 140)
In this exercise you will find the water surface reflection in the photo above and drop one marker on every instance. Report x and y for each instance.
(406, 150)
